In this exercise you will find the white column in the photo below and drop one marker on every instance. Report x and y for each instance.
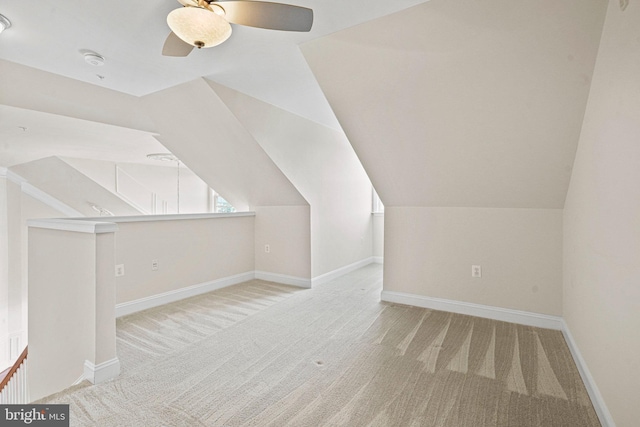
(71, 304)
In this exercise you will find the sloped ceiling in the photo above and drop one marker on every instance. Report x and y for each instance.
(457, 103)
(66, 117)
(317, 159)
(44, 114)
(196, 125)
(75, 189)
(32, 89)
(28, 135)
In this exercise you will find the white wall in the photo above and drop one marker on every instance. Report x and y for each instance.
(15, 208)
(287, 231)
(189, 252)
(30, 209)
(466, 117)
(430, 251)
(602, 221)
(321, 164)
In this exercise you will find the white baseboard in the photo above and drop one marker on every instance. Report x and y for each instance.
(101, 372)
(513, 316)
(489, 312)
(378, 259)
(130, 307)
(327, 277)
(594, 393)
(284, 279)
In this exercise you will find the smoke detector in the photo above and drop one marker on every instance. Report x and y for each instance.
(93, 59)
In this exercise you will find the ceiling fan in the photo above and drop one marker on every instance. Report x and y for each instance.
(206, 23)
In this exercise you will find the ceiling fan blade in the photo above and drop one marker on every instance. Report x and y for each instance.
(174, 46)
(272, 16)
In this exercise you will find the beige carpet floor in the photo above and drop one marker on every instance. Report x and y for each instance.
(262, 354)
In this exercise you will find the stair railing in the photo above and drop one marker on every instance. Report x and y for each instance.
(13, 388)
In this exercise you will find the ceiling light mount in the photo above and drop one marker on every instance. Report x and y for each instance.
(4, 23)
(94, 59)
(163, 157)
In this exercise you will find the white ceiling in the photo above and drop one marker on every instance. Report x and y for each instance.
(51, 34)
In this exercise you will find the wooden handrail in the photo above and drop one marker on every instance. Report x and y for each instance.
(14, 368)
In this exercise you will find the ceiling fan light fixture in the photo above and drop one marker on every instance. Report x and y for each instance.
(198, 27)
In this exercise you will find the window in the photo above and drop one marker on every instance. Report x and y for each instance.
(222, 206)
(218, 204)
(376, 205)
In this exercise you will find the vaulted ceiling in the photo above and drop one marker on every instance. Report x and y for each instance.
(51, 36)
(465, 104)
(446, 103)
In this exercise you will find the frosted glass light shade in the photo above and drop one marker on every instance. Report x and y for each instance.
(198, 27)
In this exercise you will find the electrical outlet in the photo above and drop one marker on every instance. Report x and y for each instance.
(476, 271)
(119, 270)
(267, 248)
(154, 265)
